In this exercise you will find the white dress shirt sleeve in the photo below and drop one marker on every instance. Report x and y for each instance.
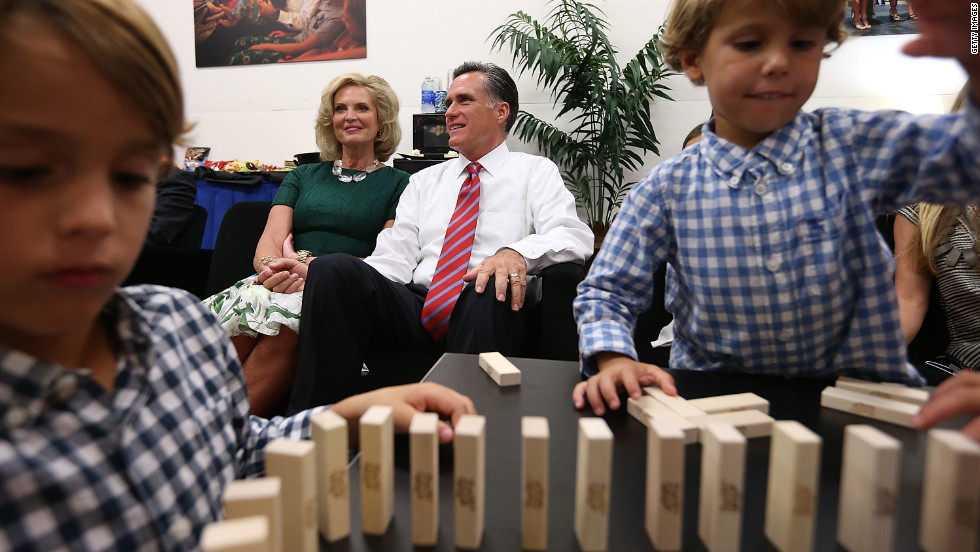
(297, 19)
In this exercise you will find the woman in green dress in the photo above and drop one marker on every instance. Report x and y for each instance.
(338, 205)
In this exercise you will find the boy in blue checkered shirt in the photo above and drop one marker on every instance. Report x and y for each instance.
(768, 224)
(123, 412)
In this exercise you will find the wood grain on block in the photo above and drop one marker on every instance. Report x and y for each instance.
(722, 487)
(257, 497)
(868, 490)
(469, 465)
(329, 431)
(664, 509)
(247, 534)
(647, 408)
(894, 391)
(424, 452)
(752, 423)
(869, 406)
(500, 369)
(534, 482)
(791, 492)
(731, 403)
(377, 436)
(950, 512)
(294, 463)
(676, 403)
(593, 476)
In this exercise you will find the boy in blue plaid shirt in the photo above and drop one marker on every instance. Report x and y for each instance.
(768, 224)
(123, 412)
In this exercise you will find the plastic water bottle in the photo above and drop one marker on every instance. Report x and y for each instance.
(428, 95)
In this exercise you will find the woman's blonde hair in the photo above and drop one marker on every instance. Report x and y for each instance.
(386, 102)
(123, 42)
(936, 221)
(691, 21)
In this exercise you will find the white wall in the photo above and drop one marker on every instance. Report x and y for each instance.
(266, 112)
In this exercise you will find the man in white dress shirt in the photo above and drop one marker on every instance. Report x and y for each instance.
(527, 221)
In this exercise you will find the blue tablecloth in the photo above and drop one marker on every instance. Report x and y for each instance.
(218, 197)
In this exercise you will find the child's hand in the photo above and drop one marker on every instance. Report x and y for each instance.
(945, 32)
(957, 395)
(618, 372)
(406, 400)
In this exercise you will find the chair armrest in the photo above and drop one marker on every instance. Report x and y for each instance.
(551, 328)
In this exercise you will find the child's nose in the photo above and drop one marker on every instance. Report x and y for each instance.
(777, 61)
(92, 209)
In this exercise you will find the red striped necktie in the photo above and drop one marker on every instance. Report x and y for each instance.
(447, 282)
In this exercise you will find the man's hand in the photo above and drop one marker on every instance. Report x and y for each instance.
(283, 276)
(510, 268)
(616, 373)
(957, 395)
(406, 400)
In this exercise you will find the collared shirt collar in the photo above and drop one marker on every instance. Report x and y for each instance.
(781, 150)
(492, 162)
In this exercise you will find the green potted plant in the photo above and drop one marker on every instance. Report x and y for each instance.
(606, 106)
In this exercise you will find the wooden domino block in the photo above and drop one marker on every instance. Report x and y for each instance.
(469, 466)
(424, 452)
(868, 490)
(257, 497)
(500, 369)
(893, 391)
(294, 463)
(534, 482)
(646, 408)
(247, 534)
(731, 403)
(722, 487)
(377, 436)
(950, 513)
(751, 423)
(664, 508)
(329, 431)
(791, 492)
(593, 478)
(862, 404)
(676, 403)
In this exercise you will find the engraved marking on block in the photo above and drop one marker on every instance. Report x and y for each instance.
(424, 451)
(664, 508)
(722, 483)
(294, 462)
(950, 513)
(469, 463)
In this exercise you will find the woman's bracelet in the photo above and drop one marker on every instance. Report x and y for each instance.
(302, 255)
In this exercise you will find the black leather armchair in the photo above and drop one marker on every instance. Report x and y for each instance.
(552, 332)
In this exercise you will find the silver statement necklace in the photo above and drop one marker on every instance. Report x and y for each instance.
(953, 254)
(338, 167)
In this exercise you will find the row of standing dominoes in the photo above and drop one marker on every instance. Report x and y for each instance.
(950, 510)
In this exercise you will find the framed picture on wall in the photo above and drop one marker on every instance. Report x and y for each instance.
(256, 32)
(880, 17)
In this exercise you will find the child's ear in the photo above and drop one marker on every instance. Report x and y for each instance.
(691, 64)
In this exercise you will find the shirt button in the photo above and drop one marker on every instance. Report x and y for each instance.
(773, 264)
(181, 528)
(734, 180)
(787, 168)
(16, 417)
(64, 386)
(785, 335)
(760, 189)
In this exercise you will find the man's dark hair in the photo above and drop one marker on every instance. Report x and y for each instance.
(498, 86)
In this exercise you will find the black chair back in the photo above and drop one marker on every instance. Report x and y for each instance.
(234, 247)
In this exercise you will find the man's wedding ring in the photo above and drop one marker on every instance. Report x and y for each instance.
(513, 275)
